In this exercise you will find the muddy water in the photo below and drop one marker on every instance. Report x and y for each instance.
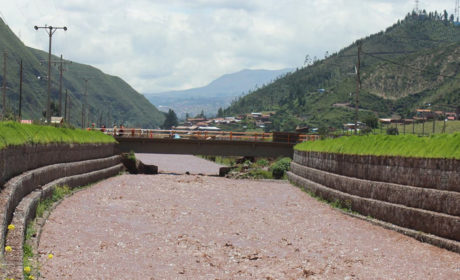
(199, 227)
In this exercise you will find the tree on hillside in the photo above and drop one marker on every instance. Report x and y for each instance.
(201, 115)
(371, 121)
(220, 113)
(54, 110)
(170, 120)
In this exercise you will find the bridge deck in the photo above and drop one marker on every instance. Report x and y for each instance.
(204, 147)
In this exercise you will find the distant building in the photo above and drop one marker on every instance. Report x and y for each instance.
(424, 114)
(351, 126)
(57, 120)
(208, 128)
(302, 129)
(451, 116)
(196, 120)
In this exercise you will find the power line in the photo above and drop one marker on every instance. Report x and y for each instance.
(50, 31)
(411, 67)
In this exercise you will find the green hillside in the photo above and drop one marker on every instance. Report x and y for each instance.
(110, 99)
(410, 64)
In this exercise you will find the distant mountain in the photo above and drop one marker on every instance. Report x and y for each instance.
(110, 99)
(218, 93)
(412, 64)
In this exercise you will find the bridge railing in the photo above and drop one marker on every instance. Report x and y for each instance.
(209, 135)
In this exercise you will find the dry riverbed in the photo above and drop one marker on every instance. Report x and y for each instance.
(199, 227)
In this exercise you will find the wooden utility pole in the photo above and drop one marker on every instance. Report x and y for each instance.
(60, 87)
(84, 104)
(69, 105)
(4, 85)
(358, 85)
(20, 93)
(65, 108)
(50, 31)
(61, 70)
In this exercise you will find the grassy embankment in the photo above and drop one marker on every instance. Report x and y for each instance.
(15, 134)
(436, 146)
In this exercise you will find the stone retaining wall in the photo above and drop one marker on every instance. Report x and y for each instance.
(442, 174)
(26, 211)
(371, 186)
(38, 169)
(14, 160)
(446, 202)
(18, 187)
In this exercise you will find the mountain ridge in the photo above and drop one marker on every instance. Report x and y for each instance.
(402, 68)
(110, 99)
(218, 93)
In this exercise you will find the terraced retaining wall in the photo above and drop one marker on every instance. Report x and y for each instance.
(442, 174)
(16, 159)
(40, 168)
(418, 194)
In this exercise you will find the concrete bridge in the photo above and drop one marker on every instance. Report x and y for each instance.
(205, 147)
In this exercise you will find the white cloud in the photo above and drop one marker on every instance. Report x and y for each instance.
(161, 45)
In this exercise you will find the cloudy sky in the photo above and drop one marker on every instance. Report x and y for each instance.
(160, 45)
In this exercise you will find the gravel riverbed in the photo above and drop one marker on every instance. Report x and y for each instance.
(200, 227)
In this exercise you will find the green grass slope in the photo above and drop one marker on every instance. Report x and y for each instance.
(109, 98)
(411, 63)
(436, 146)
(15, 134)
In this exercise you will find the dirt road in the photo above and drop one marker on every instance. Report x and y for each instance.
(199, 227)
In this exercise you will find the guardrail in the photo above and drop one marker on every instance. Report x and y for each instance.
(283, 137)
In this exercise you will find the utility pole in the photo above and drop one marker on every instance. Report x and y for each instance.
(61, 70)
(60, 87)
(358, 85)
(457, 9)
(84, 103)
(4, 85)
(70, 105)
(65, 108)
(50, 30)
(61, 62)
(20, 92)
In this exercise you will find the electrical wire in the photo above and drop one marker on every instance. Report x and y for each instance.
(411, 67)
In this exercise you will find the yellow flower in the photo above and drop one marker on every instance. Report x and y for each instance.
(11, 227)
(31, 277)
(50, 256)
(8, 249)
(27, 269)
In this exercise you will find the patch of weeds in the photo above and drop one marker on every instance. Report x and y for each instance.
(280, 167)
(131, 156)
(28, 252)
(59, 193)
(30, 230)
(260, 174)
(262, 162)
(339, 204)
(227, 161)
